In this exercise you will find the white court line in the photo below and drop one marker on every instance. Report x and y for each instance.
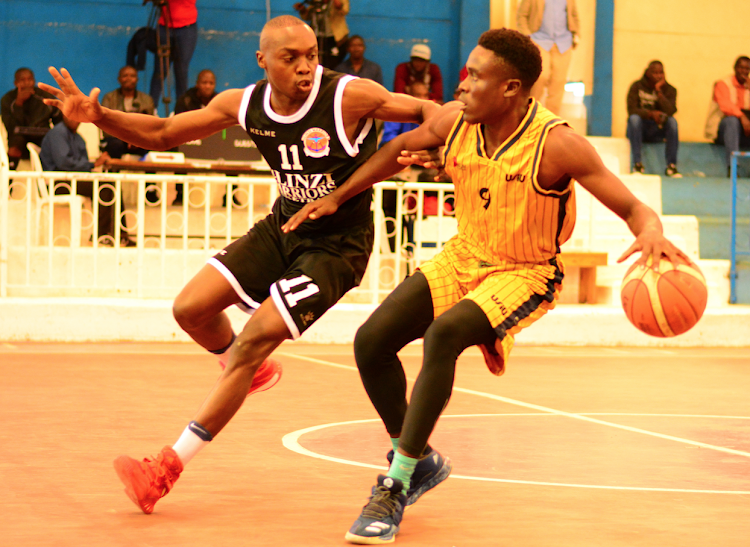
(291, 442)
(554, 411)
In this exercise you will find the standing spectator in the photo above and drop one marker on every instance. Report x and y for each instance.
(198, 96)
(328, 20)
(729, 117)
(652, 103)
(357, 65)
(553, 27)
(63, 149)
(419, 69)
(181, 16)
(25, 115)
(125, 99)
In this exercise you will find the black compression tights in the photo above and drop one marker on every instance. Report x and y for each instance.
(404, 316)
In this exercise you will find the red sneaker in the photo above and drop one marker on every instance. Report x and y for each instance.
(148, 481)
(267, 376)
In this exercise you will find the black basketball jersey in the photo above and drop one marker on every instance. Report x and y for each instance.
(309, 152)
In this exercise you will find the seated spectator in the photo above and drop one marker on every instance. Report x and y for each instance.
(126, 99)
(25, 115)
(199, 96)
(729, 117)
(419, 69)
(195, 98)
(652, 103)
(63, 149)
(357, 65)
(391, 130)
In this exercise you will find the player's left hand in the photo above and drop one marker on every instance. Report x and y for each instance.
(315, 209)
(653, 245)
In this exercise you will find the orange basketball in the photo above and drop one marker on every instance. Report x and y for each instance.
(664, 303)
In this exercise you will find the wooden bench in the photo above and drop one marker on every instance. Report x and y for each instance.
(586, 262)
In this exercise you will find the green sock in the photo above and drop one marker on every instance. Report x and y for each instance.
(402, 468)
(394, 444)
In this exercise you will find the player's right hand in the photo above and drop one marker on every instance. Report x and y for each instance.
(70, 100)
(315, 209)
(430, 159)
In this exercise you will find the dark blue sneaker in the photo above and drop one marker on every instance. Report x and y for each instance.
(380, 518)
(429, 472)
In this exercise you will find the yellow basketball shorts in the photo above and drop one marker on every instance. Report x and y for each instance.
(511, 295)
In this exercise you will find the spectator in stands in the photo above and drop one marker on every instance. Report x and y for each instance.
(183, 37)
(199, 96)
(729, 117)
(328, 19)
(357, 65)
(553, 26)
(420, 69)
(25, 115)
(391, 130)
(652, 103)
(195, 98)
(63, 149)
(125, 99)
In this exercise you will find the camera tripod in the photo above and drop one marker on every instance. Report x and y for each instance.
(160, 9)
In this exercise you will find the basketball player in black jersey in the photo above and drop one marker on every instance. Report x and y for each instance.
(314, 127)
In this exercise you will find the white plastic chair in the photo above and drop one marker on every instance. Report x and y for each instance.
(73, 201)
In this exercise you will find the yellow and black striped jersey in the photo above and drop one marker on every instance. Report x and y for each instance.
(503, 214)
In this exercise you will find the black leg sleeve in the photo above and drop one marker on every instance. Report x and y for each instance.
(402, 317)
(450, 334)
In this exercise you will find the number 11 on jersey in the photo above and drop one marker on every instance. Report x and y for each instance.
(285, 165)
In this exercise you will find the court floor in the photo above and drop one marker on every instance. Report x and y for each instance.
(571, 447)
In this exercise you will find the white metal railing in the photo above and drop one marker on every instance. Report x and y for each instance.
(172, 242)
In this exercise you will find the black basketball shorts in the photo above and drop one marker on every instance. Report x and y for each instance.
(305, 276)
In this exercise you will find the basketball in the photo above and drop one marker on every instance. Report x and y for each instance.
(664, 303)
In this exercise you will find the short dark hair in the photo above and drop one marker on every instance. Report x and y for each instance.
(741, 58)
(517, 50)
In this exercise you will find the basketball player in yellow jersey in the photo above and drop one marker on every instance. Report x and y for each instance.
(513, 165)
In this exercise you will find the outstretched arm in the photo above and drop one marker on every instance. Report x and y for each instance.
(143, 130)
(567, 153)
(383, 164)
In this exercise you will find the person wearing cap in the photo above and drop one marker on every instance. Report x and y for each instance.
(553, 26)
(420, 69)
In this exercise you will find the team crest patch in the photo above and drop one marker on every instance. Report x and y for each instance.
(316, 142)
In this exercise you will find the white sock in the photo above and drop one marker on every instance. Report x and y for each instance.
(188, 445)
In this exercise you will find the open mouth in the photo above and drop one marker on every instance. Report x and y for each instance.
(304, 85)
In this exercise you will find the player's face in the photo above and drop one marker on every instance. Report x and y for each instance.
(290, 58)
(485, 91)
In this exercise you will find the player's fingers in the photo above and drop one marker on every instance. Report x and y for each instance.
(635, 247)
(53, 102)
(57, 76)
(51, 89)
(70, 85)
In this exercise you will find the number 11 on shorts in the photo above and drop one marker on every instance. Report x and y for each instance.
(292, 299)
